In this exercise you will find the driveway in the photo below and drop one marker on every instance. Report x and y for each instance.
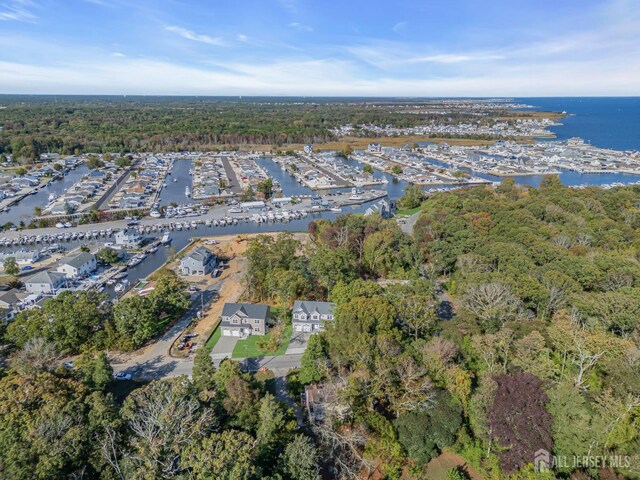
(298, 343)
(224, 347)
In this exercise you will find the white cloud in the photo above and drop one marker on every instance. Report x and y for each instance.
(111, 75)
(300, 27)
(196, 37)
(118, 54)
(242, 37)
(399, 27)
(454, 58)
(18, 10)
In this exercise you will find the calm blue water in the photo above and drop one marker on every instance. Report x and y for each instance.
(607, 122)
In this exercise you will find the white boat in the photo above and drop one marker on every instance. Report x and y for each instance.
(166, 238)
(153, 249)
(67, 225)
(155, 214)
(120, 288)
(335, 209)
(187, 192)
(59, 225)
(237, 209)
(175, 180)
(52, 197)
(356, 197)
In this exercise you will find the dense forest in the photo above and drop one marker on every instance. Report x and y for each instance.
(508, 323)
(30, 125)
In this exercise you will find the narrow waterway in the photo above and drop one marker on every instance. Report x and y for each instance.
(177, 183)
(23, 211)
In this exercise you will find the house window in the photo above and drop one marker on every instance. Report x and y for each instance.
(256, 321)
(235, 321)
(256, 329)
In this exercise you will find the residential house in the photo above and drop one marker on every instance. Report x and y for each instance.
(308, 148)
(374, 148)
(23, 257)
(77, 265)
(46, 282)
(10, 301)
(244, 319)
(128, 238)
(311, 316)
(199, 262)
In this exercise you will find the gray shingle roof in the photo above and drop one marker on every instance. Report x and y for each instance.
(45, 277)
(78, 259)
(250, 310)
(323, 308)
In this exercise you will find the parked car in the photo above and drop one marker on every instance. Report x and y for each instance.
(26, 267)
(68, 364)
(122, 376)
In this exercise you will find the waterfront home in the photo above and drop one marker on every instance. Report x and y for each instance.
(45, 283)
(199, 262)
(308, 148)
(310, 316)
(77, 265)
(10, 303)
(128, 238)
(374, 148)
(244, 319)
(23, 257)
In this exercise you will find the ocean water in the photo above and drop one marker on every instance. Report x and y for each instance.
(607, 122)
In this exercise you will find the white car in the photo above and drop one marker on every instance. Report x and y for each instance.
(122, 376)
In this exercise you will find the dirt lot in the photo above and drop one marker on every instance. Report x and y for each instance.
(229, 283)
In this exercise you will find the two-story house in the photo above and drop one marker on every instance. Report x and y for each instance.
(310, 316)
(199, 262)
(244, 319)
(45, 282)
(128, 238)
(77, 265)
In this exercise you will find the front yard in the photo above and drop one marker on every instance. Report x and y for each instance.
(248, 348)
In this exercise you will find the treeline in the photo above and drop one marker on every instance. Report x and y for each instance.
(507, 324)
(87, 320)
(71, 125)
(223, 424)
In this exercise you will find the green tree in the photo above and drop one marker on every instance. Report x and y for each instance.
(368, 169)
(108, 256)
(266, 188)
(228, 455)
(203, 373)
(300, 459)
(11, 266)
(425, 433)
(314, 363)
(412, 197)
(396, 169)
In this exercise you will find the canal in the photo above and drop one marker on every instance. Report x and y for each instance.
(23, 211)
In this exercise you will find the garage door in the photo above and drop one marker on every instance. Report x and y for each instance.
(235, 333)
(298, 328)
(307, 328)
(226, 332)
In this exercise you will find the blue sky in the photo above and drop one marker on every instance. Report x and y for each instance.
(321, 47)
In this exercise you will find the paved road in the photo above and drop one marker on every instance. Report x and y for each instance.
(155, 361)
(407, 227)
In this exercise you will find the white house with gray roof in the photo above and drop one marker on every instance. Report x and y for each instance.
(46, 282)
(198, 262)
(244, 319)
(77, 265)
(311, 316)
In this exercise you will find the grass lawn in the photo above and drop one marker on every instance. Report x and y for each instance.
(411, 211)
(213, 339)
(248, 347)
